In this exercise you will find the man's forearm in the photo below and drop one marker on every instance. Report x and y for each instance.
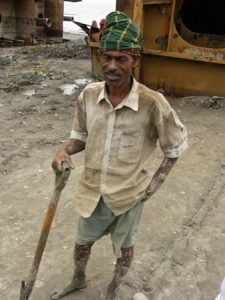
(74, 146)
(160, 175)
(165, 167)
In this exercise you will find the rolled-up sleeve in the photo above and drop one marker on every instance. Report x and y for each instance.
(172, 134)
(79, 128)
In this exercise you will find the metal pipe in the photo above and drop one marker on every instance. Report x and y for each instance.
(43, 22)
(70, 19)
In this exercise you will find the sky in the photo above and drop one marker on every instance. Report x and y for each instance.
(85, 12)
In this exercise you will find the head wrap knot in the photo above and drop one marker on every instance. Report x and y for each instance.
(120, 33)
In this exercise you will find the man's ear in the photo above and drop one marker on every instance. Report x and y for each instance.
(136, 60)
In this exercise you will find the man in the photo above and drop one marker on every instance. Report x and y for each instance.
(117, 123)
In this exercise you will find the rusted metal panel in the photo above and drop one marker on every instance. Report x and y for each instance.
(180, 77)
(155, 36)
(153, 2)
(184, 62)
(126, 6)
(95, 65)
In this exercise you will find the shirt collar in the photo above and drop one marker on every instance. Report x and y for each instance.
(131, 100)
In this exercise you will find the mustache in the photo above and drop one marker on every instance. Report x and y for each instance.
(114, 73)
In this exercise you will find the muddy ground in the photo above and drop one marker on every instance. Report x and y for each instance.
(180, 251)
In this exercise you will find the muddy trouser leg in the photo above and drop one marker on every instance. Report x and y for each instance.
(122, 266)
(81, 257)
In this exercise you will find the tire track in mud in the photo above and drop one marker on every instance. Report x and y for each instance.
(159, 284)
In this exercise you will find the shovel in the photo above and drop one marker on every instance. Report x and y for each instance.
(60, 182)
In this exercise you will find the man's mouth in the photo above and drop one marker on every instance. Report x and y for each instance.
(112, 76)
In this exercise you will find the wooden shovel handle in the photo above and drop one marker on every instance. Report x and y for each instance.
(60, 183)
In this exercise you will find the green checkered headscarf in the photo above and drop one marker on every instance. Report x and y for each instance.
(120, 33)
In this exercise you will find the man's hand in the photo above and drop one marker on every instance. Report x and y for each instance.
(63, 154)
(59, 158)
(159, 176)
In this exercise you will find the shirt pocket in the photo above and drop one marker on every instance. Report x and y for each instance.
(130, 146)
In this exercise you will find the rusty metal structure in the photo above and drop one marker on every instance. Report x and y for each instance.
(183, 45)
(26, 21)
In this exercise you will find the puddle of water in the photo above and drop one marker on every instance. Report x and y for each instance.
(29, 93)
(69, 89)
(82, 81)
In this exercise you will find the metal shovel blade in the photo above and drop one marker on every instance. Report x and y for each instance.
(23, 291)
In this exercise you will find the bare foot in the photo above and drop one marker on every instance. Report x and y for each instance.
(72, 287)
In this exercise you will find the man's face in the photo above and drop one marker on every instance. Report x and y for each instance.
(117, 67)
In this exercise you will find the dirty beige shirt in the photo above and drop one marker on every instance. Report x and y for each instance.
(119, 144)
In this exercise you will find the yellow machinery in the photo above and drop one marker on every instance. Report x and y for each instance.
(183, 45)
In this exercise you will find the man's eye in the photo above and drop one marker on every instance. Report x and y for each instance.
(122, 59)
(105, 58)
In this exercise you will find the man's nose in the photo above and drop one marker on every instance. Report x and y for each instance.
(112, 64)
